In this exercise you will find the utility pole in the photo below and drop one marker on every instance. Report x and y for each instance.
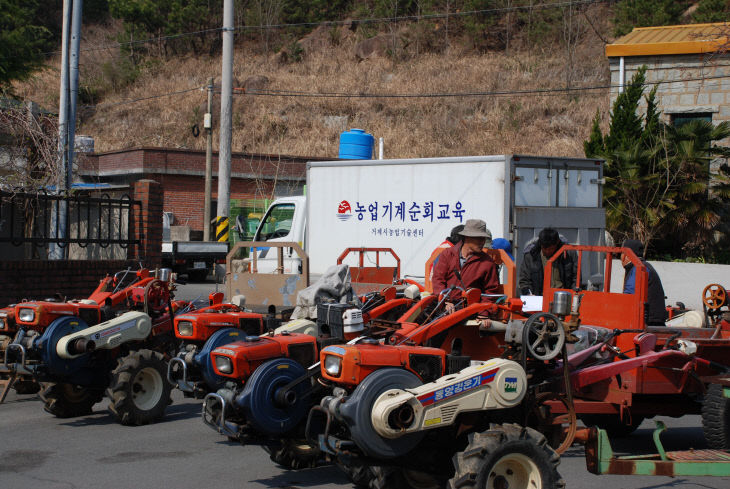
(224, 150)
(208, 126)
(74, 87)
(58, 218)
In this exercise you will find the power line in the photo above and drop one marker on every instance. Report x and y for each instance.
(495, 93)
(374, 20)
(151, 97)
(143, 41)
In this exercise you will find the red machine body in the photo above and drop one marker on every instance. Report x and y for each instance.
(359, 361)
(245, 356)
(199, 325)
(649, 375)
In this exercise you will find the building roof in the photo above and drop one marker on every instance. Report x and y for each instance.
(673, 39)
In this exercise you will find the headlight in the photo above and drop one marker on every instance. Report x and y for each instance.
(223, 364)
(2, 323)
(333, 365)
(185, 328)
(26, 315)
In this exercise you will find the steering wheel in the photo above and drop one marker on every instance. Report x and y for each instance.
(714, 296)
(156, 296)
(543, 336)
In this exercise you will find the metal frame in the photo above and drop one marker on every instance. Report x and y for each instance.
(47, 214)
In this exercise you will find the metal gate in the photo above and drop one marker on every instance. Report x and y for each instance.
(43, 219)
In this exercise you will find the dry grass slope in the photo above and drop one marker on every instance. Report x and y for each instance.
(412, 127)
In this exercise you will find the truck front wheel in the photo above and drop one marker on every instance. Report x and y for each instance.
(139, 391)
(506, 455)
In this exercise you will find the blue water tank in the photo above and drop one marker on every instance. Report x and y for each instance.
(356, 144)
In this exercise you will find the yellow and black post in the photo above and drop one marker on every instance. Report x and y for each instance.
(221, 228)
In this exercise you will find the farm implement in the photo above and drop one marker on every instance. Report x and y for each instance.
(272, 404)
(82, 350)
(390, 410)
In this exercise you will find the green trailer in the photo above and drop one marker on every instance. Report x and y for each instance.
(600, 458)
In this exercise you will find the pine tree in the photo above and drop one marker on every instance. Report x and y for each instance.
(625, 126)
(594, 146)
(21, 42)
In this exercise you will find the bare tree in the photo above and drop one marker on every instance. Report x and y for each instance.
(573, 31)
(28, 148)
(269, 13)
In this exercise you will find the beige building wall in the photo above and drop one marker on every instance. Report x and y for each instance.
(693, 83)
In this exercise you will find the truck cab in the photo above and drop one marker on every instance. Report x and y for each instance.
(285, 220)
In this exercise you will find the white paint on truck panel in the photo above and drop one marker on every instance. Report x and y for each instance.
(410, 208)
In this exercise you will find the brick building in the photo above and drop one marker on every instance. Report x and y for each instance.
(181, 172)
(691, 61)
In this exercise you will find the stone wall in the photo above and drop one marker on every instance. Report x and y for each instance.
(699, 83)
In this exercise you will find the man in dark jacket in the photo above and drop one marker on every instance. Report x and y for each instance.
(475, 268)
(532, 268)
(657, 312)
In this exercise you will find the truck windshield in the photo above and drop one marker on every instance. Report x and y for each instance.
(277, 222)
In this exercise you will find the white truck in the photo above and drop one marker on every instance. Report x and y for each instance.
(411, 205)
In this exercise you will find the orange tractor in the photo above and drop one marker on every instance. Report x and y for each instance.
(33, 317)
(83, 349)
(415, 427)
(203, 330)
(284, 357)
(272, 404)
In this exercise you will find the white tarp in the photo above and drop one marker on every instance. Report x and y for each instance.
(335, 285)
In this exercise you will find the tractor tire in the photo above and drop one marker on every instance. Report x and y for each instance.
(358, 474)
(506, 455)
(716, 418)
(612, 424)
(26, 386)
(139, 391)
(385, 477)
(294, 454)
(69, 401)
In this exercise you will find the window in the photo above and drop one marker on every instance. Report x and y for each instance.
(684, 118)
(277, 222)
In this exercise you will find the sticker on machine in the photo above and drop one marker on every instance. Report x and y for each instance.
(510, 384)
(116, 329)
(458, 388)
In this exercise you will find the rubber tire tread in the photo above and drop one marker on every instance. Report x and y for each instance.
(122, 405)
(359, 474)
(472, 466)
(716, 418)
(26, 386)
(57, 403)
(389, 477)
(289, 456)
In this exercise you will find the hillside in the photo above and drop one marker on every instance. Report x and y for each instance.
(554, 123)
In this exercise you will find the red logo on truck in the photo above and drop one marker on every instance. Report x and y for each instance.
(344, 211)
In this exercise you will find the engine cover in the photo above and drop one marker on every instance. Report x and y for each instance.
(497, 384)
(129, 326)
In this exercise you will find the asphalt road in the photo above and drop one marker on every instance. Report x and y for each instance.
(40, 451)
